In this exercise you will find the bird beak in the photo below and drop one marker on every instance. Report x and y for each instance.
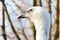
(22, 16)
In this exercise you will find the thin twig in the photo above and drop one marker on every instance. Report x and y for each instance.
(22, 4)
(23, 31)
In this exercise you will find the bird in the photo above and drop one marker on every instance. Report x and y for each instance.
(41, 19)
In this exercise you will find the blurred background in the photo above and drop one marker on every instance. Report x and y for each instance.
(12, 28)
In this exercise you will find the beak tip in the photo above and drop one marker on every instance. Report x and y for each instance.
(18, 17)
(21, 16)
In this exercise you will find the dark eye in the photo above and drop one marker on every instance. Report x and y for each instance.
(30, 10)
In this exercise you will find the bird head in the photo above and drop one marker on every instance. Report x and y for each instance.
(32, 13)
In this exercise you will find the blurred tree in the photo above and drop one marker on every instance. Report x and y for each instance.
(56, 35)
(39, 2)
(3, 25)
(34, 3)
(12, 26)
(59, 25)
(3, 22)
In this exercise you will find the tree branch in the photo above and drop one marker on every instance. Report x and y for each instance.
(13, 29)
(3, 22)
(56, 35)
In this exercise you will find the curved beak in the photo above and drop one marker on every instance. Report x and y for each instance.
(22, 16)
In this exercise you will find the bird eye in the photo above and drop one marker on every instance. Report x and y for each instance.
(30, 10)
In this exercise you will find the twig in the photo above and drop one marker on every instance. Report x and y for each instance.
(22, 4)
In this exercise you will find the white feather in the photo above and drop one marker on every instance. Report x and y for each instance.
(41, 19)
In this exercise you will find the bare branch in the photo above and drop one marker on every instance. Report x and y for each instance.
(13, 29)
(3, 22)
(39, 2)
(56, 35)
(22, 4)
(34, 3)
(52, 5)
(17, 6)
(23, 32)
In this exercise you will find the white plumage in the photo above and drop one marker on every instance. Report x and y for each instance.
(41, 19)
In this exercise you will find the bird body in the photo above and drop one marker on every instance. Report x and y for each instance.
(41, 19)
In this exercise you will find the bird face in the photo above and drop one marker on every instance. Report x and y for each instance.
(28, 15)
(32, 14)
